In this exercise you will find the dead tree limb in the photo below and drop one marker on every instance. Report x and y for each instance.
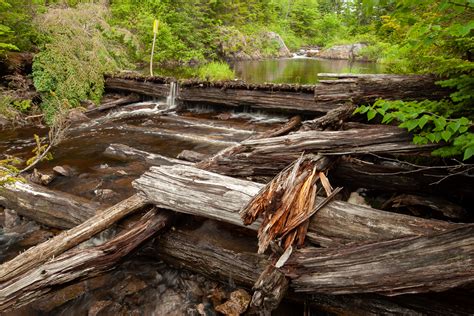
(68, 239)
(75, 264)
(333, 119)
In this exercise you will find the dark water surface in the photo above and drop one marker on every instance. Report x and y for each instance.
(298, 69)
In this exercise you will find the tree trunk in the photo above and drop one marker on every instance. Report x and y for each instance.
(197, 192)
(127, 153)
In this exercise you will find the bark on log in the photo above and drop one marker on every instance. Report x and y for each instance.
(333, 119)
(269, 290)
(48, 207)
(430, 263)
(197, 192)
(223, 259)
(78, 263)
(393, 176)
(68, 239)
(361, 89)
(319, 98)
(268, 156)
(132, 98)
(294, 122)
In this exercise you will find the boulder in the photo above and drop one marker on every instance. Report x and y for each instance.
(350, 51)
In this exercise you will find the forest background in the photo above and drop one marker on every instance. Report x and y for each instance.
(76, 42)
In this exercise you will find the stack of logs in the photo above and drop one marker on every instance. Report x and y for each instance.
(343, 258)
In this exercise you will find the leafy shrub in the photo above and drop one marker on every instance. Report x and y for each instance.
(215, 71)
(74, 56)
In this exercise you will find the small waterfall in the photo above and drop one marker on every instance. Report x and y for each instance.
(171, 99)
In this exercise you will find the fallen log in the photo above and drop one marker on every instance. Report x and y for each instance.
(132, 98)
(127, 153)
(453, 182)
(268, 156)
(294, 122)
(190, 190)
(223, 259)
(66, 240)
(79, 263)
(191, 156)
(333, 119)
(430, 263)
(48, 207)
(289, 98)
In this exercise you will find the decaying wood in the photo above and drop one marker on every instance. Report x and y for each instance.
(292, 123)
(127, 153)
(397, 176)
(331, 120)
(43, 252)
(223, 259)
(48, 207)
(191, 156)
(430, 263)
(436, 204)
(294, 98)
(286, 203)
(132, 98)
(269, 290)
(360, 88)
(190, 190)
(268, 156)
(78, 263)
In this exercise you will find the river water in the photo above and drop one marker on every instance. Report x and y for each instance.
(301, 70)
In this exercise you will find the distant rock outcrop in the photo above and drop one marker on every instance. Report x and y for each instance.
(350, 51)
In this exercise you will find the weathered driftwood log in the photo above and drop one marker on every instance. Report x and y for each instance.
(269, 290)
(333, 119)
(197, 192)
(389, 175)
(360, 89)
(191, 156)
(294, 122)
(223, 259)
(78, 263)
(52, 208)
(127, 153)
(319, 98)
(112, 104)
(268, 156)
(436, 262)
(43, 252)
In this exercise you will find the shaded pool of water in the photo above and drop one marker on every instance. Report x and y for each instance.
(298, 70)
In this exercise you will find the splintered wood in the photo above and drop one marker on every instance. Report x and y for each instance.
(288, 201)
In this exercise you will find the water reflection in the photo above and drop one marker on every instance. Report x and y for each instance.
(298, 70)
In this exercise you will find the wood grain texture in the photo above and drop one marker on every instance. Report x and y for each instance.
(430, 263)
(190, 190)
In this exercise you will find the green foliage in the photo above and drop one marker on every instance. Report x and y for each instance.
(9, 171)
(75, 54)
(427, 121)
(40, 149)
(215, 71)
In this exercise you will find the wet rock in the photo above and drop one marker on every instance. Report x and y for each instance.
(237, 304)
(77, 116)
(129, 286)
(4, 122)
(103, 308)
(40, 178)
(105, 194)
(312, 52)
(351, 52)
(217, 296)
(170, 303)
(65, 170)
(12, 219)
(357, 199)
(190, 155)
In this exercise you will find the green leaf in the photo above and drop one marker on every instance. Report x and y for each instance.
(371, 114)
(423, 120)
(468, 152)
(463, 129)
(410, 125)
(454, 126)
(431, 137)
(440, 123)
(446, 135)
